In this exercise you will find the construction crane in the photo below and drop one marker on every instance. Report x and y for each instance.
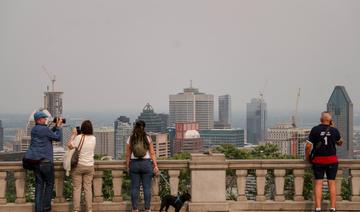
(295, 116)
(52, 79)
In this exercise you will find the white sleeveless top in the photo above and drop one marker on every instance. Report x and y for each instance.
(147, 156)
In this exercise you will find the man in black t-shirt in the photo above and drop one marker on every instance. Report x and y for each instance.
(321, 152)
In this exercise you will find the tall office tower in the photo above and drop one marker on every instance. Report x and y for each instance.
(104, 141)
(187, 138)
(53, 102)
(122, 131)
(256, 120)
(341, 108)
(1, 137)
(224, 113)
(288, 138)
(152, 120)
(192, 106)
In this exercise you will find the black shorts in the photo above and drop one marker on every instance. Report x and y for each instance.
(320, 170)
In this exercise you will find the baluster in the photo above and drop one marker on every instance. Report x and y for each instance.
(97, 184)
(299, 184)
(20, 186)
(117, 183)
(279, 184)
(241, 184)
(3, 187)
(355, 180)
(339, 178)
(260, 184)
(59, 186)
(174, 181)
(155, 189)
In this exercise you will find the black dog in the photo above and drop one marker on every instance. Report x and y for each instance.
(176, 202)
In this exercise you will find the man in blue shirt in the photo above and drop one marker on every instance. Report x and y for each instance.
(41, 149)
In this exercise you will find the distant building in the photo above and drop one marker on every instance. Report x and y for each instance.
(53, 102)
(224, 113)
(187, 138)
(171, 133)
(1, 137)
(256, 120)
(122, 131)
(341, 108)
(192, 106)
(25, 143)
(161, 144)
(104, 141)
(289, 139)
(153, 121)
(66, 134)
(165, 118)
(217, 137)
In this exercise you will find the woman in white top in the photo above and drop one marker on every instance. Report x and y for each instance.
(82, 174)
(141, 163)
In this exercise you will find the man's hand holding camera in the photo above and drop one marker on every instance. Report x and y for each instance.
(58, 122)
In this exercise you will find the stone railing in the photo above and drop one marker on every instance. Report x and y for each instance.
(208, 185)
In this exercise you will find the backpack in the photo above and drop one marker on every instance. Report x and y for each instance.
(140, 147)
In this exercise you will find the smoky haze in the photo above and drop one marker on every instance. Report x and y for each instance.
(119, 55)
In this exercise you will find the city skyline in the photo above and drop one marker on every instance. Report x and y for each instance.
(234, 50)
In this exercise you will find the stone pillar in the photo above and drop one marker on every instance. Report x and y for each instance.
(174, 181)
(260, 184)
(208, 183)
(339, 178)
(97, 184)
(117, 176)
(20, 186)
(2, 187)
(241, 184)
(355, 180)
(279, 184)
(59, 186)
(155, 189)
(299, 184)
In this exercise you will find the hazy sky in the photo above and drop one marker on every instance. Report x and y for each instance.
(119, 55)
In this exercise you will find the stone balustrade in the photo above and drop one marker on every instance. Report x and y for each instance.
(208, 185)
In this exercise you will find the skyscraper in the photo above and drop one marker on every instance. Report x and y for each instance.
(122, 131)
(1, 137)
(192, 106)
(224, 112)
(153, 121)
(53, 102)
(256, 118)
(341, 108)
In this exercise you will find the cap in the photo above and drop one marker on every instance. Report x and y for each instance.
(39, 115)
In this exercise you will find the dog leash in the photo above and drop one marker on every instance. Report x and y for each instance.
(163, 177)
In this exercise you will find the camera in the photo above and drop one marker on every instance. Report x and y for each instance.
(62, 119)
(78, 130)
